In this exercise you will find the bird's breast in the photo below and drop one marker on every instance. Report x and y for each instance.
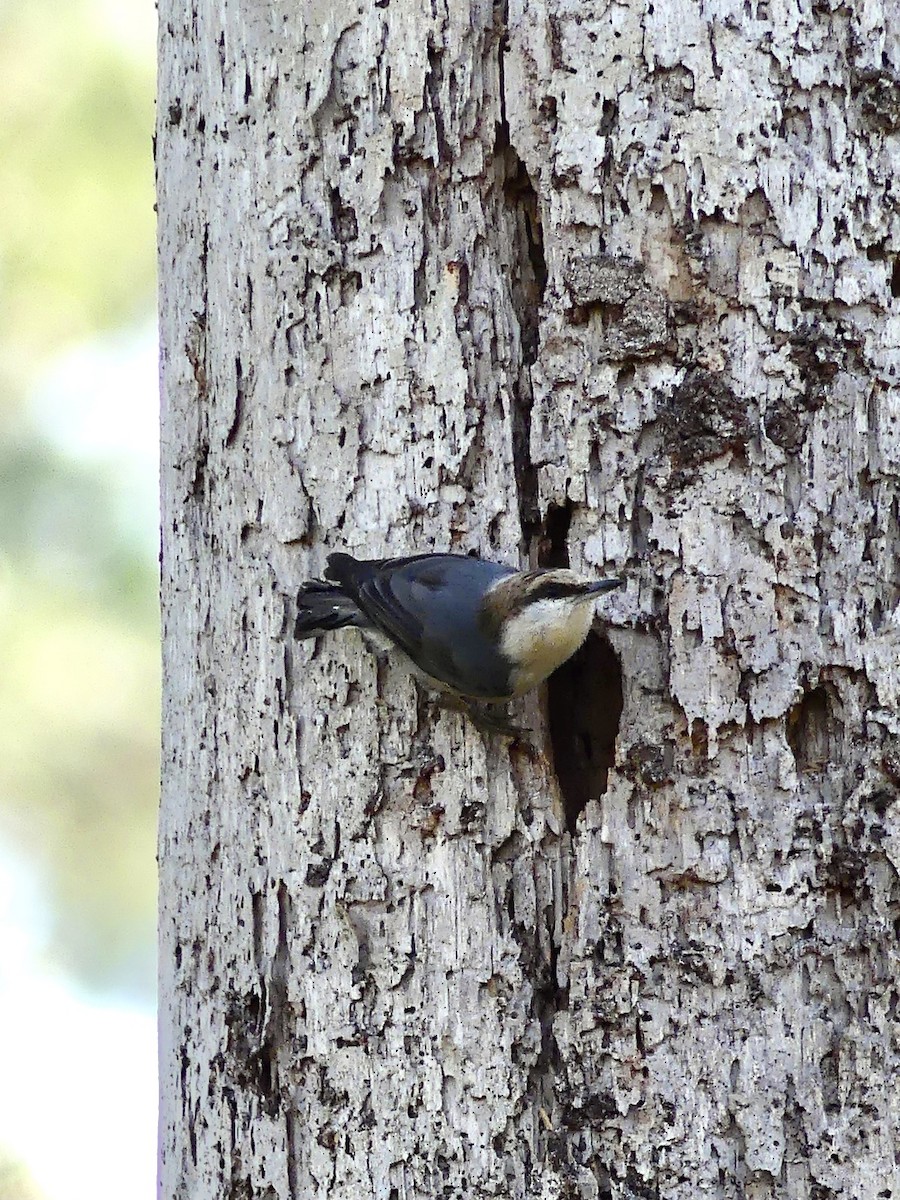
(541, 637)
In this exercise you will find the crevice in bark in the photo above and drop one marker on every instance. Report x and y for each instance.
(527, 280)
(240, 396)
(554, 547)
(433, 80)
(809, 725)
(258, 1023)
(293, 1126)
(584, 697)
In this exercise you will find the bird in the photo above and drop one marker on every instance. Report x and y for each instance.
(480, 630)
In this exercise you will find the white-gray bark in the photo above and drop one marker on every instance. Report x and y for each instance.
(613, 282)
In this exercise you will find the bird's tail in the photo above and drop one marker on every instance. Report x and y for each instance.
(322, 606)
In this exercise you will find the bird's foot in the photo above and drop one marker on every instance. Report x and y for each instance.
(487, 721)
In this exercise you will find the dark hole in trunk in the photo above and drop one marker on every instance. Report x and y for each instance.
(584, 697)
(809, 726)
(584, 705)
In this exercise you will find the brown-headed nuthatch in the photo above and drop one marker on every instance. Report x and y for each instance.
(476, 628)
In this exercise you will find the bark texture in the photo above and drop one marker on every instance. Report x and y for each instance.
(610, 284)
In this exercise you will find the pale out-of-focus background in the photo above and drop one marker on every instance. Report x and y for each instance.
(78, 616)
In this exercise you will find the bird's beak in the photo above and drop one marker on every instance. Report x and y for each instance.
(603, 585)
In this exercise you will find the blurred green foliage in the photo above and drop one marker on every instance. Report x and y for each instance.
(78, 624)
(15, 1182)
(76, 180)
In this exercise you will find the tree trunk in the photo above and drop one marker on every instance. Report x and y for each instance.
(616, 286)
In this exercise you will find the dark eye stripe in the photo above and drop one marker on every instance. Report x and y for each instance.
(552, 589)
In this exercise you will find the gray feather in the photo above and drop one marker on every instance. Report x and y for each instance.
(421, 603)
(323, 606)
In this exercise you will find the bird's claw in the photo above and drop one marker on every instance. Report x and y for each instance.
(488, 722)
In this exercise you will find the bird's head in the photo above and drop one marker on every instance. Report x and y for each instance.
(540, 618)
(560, 585)
(546, 598)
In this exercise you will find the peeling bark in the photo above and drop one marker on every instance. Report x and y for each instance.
(609, 285)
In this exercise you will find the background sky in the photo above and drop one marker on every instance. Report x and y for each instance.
(79, 685)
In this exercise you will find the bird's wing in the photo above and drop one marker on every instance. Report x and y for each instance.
(421, 603)
(390, 603)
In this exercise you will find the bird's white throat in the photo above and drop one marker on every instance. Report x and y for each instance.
(542, 636)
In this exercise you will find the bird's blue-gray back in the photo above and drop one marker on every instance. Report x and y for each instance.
(420, 602)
